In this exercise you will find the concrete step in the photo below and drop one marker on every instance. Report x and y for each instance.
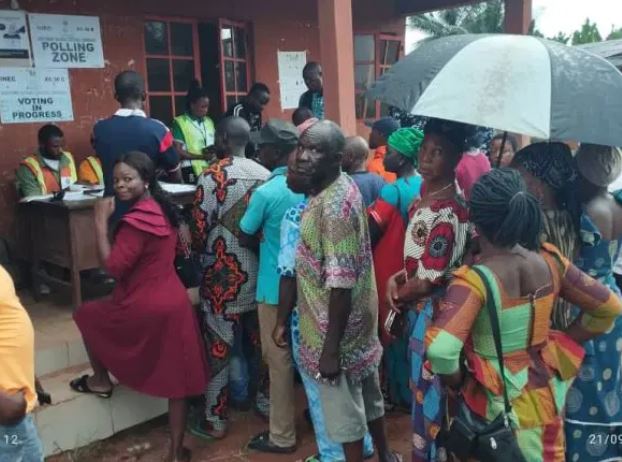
(75, 420)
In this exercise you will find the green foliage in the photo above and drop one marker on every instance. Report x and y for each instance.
(587, 34)
(615, 34)
(561, 38)
(485, 17)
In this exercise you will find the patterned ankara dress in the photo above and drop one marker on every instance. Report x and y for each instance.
(228, 285)
(540, 363)
(436, 240)
(594, 408)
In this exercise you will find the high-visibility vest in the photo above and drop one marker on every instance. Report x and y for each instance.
(46, 178)
(197, 138)
(90, 171)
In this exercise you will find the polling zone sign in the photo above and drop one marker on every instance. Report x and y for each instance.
(34, 95)
(62, 41)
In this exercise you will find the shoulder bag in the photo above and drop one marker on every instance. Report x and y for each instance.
(471, 437)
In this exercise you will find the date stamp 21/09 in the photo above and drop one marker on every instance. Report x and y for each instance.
(604, 439)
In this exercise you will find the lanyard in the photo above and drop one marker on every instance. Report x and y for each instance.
(202, 129)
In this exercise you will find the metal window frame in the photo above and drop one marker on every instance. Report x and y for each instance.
(196, 57)
(237, 93)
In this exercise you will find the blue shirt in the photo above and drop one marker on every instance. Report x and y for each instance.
(265, 212)
(130, 130)
(369, 184)
(402, 193)
(290, 236)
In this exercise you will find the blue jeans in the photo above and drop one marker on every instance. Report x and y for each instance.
(238, 374)
(329, 451)
(20, 443)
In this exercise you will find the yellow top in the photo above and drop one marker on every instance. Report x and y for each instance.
(17, 344)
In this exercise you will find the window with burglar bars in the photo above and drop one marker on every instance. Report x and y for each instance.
(234, 61)
(373, 55)
(172, 61)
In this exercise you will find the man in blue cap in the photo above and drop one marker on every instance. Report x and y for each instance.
(381, 130)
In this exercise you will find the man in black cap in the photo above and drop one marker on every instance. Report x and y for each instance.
(381, 130)
(261, 229)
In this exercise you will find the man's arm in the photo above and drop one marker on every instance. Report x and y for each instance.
(26, 182)
(287, 301)
(252, 221)
(12, 408)
(249, 241)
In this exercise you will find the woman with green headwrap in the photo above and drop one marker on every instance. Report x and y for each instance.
(388, 217)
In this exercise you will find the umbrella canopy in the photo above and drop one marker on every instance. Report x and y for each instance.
(515, 83)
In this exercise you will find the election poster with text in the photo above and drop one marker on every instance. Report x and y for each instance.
(63, 41)
(34, 96)
(14, 41)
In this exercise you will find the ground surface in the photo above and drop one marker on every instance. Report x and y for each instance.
(148, 443)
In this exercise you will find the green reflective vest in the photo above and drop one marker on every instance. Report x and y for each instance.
(197, 136)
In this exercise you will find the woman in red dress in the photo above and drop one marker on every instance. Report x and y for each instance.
(146, 334)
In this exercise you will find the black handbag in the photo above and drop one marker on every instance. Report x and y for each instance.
(187, 263)
(470, 436)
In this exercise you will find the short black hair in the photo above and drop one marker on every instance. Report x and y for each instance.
(312, 66)
(129, 86)
(49, 131)
(195, 93)
(504, 212)
(510, 139)
(301, 115)
(259, 87)
(455, 133)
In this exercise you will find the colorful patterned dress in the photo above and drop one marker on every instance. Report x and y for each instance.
(540, 364)
(594, 408)
(436, 240)
(229, 281)
(390, 212)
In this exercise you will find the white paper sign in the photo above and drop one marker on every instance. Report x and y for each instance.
(291, 83)
(60, 41)
(14, 41)
(34, 95)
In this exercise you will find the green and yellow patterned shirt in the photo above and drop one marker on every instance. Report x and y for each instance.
(335, 253)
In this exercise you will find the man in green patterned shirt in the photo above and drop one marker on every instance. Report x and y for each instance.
(337, 298)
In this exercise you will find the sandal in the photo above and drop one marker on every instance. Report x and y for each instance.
(262, 443)
(205, 431)
(81, 385)
(397, 457)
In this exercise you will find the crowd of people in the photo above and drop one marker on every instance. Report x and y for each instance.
(371, 274)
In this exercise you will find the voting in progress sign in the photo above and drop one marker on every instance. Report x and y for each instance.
(34, 95)
(64, 41)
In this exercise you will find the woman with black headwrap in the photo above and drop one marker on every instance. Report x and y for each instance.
(436, 239)
(524, 280)
(550, 174)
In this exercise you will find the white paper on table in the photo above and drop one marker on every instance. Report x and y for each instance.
(72, 196)
(175, 188)
(42, 198)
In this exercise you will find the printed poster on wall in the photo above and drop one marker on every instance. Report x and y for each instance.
(34, 95)
(14, 40)
(291, 83)
(61, 41)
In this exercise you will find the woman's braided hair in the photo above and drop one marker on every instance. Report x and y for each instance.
(504, 212)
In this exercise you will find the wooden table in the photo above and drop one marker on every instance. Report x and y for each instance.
(63, 234)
